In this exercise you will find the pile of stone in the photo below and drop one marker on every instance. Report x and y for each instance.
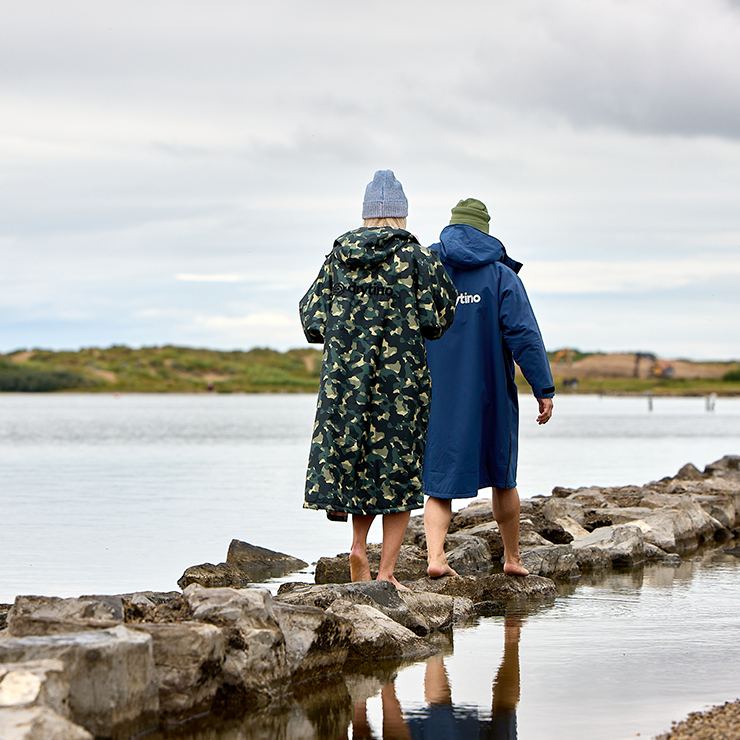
(118, 666)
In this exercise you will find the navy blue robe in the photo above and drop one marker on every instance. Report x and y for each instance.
(472, 439)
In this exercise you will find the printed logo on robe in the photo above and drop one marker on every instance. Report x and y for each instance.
(467, 298)
(377, 290)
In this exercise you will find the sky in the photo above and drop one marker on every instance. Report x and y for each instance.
(175, 172)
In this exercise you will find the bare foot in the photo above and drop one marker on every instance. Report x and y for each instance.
(359, 568)
(393, 580)
(435, 570)
(515, 568)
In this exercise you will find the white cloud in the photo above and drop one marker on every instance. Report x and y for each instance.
(223, 278)
(261, 320)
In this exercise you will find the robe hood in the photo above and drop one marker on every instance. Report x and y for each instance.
(370, 246)
(468, 248)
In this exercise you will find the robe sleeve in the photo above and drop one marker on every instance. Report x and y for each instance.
(314, 307)
(522, 335)
(435, 297)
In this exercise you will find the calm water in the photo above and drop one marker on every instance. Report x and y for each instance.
(105, 495)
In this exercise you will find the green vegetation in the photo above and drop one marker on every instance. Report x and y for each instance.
(733, 376)
(161, 369)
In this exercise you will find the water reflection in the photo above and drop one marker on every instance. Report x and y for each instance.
(443, 719)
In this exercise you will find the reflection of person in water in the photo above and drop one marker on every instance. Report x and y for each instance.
(445, 721)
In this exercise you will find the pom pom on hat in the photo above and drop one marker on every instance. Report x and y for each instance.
(471, 212)
(384, 197)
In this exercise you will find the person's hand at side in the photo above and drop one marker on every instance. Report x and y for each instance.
(545, 410)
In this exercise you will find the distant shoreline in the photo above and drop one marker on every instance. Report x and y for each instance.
(170, 369)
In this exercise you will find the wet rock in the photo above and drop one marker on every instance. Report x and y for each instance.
(689, 472)
(113, 687)
(188, 660)
(48, 615)
(316, 642)
(259, 563)
(377, 637)
(421, 616)
(411, 564)
(38, 723)
(554, 561)
(623, 543)
(40, 683)
(470, 557)
(208, 575)
(502, 587)
(478, 512)
(255, 666)
(595, 519)
(489, 532)
(592, 558)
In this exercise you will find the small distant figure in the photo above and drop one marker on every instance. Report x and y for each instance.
(474, 422)
(710, 401)
(211, 386)
(378, 296)
(649, 395)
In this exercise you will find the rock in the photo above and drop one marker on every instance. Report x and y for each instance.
(113, 687)
(623, 543)
(208, 575)
(4, 609)
(681, 527)
(478, 512)
(255, 666)
(35, 683)
(528, 539)
(377, 637)
(588, 497)
(38, 723)
(463, 609)
(502, 587)
(259, 564)
(559, 508)
(592, 558)
(48, 615)
(414, 534)
(470, 557)
(188, 660)
(554, 561)
(156, 606)
(689, 472)
(727, 464)
(722, 508)
(489, 532)
(455, 586)
(316, 642)
(411, 564)
(420, 616)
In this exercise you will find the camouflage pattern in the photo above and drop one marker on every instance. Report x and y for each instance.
(378, 296)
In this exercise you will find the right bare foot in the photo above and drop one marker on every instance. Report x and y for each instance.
(435, 570)
(515, 568)
(359, 568)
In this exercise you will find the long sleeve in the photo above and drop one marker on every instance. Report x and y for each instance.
(435, 297)
(522, 335)
(314, 307)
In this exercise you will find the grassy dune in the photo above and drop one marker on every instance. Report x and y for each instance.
(186, 370)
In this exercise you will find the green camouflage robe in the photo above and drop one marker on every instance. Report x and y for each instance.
(378, 296)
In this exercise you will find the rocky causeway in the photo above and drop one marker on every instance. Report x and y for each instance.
(116, 666)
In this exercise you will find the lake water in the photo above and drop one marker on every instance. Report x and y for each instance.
(104, 494)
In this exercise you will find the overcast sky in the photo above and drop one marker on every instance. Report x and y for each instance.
(175, 172)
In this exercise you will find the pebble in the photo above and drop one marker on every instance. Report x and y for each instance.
(718, 723)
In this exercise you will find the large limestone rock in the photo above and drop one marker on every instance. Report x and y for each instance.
(208, 575)
(378, 637)
(470, 556)
(113, 686)
(188, 659)
(411, 564)
(38, 723)
(47, 615)
(497, 587)
(255, 666)
(479, 512)
(489, 532)
(36, 683)
(420, 615)
(553, 561)
(623, 543)
(316, 642)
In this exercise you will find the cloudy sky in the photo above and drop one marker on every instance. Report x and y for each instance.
(174, 172)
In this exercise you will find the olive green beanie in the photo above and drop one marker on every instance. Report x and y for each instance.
(471, 212)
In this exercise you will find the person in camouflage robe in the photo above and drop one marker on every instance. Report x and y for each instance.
(378, 296)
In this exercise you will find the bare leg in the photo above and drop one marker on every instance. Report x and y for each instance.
(436, 682)
(506, 513)
(437, 518)
(358, 565)
(394, 528)
(394, 727)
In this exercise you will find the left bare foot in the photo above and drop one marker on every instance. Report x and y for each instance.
(515, 568)
(359, 567)
(393, 580)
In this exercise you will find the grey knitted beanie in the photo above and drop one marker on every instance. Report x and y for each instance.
(384, 197)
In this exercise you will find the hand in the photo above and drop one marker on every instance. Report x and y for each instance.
(545, 410)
